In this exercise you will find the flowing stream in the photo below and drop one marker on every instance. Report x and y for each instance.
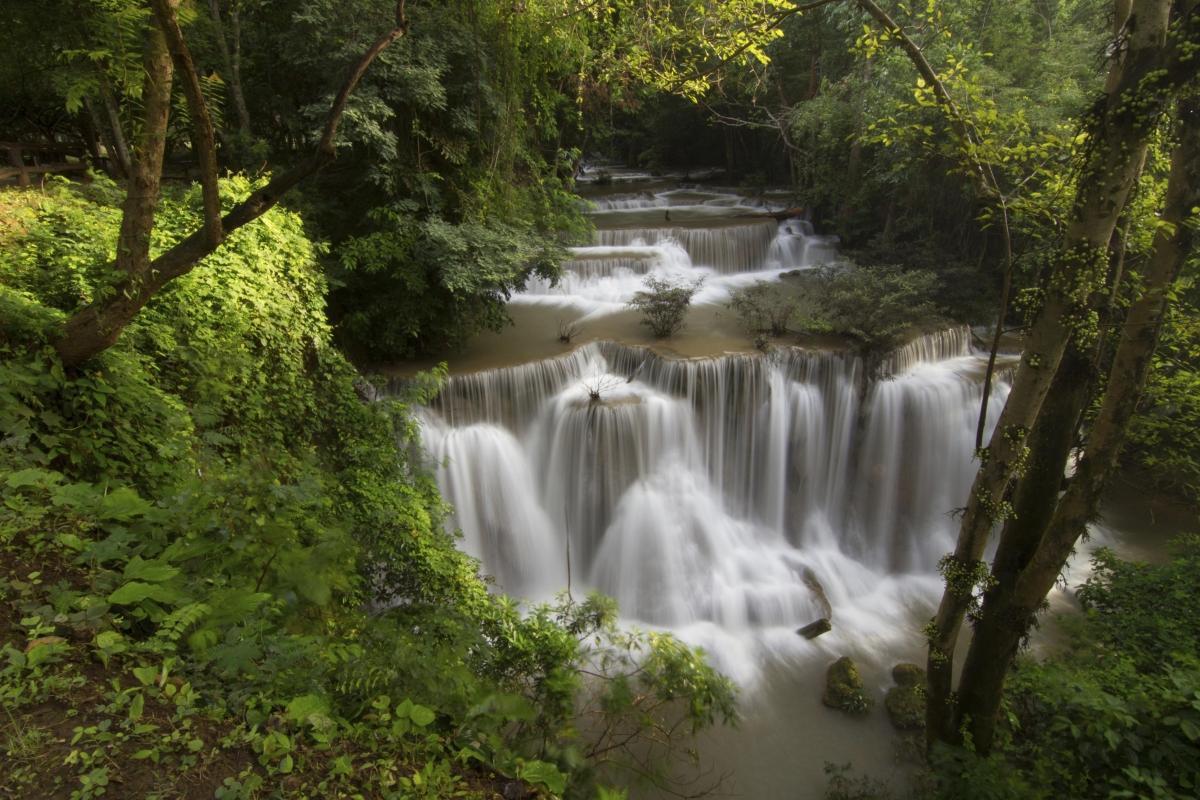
(729, 498)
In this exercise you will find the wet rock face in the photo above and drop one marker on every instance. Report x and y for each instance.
(844, 688)
(905, 702)
(814, 629)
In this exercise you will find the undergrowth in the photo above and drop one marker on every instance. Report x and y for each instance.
(223, 574)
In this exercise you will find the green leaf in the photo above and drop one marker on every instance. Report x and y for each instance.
(135, 592)
(421, 716)
(122, 504)
(135, 708)
(544, 773)
(30, 477)
(70, 541)
(146, 675)
(301, 708)
(153, 571)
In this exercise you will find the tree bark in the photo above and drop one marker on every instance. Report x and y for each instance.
(141, 196)
(96, 327)
(1004, 625)
(1153, 68)
(120, 153)
(204, 140)
(232, 61)
(1050, 443)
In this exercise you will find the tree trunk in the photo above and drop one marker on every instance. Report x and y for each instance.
(204, 141)
(1119, 128)
(96, 327)
(90, 134)
(1050, 444)
(232, 60)
(120, 147)
(1006, 623)
(87, 332)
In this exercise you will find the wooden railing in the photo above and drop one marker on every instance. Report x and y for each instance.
(25, 160)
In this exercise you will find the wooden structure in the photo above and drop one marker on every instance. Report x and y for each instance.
(25, 160)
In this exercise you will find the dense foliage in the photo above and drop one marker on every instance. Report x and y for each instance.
(1165, 437)
(217, 561)
(873, 306)
(1113, 711)
(1118, 713)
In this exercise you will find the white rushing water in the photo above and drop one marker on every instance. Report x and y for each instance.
(729, 499)
(681, 235)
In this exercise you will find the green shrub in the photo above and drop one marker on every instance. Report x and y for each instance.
(664, 304)
(764, 307)
(874, 306)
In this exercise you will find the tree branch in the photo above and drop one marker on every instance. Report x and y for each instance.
(96, 327)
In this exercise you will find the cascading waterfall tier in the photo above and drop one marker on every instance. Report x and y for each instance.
(733, 493)
(679, 235)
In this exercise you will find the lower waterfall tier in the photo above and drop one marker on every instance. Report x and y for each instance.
(743, 492)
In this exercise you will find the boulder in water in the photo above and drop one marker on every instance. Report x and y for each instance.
(818, 589)
(844, 688)
(908, 675)
(905, 702)
(814, 629)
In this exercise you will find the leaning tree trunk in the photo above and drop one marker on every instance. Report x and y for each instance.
(1008, 619)
(96, 327)
(1143, 83)
(1050, 443)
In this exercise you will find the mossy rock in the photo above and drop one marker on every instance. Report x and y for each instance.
(908, 675)
(844, 688)
(906, 707)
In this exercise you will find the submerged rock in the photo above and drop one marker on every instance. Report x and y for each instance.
(814, 629)
(905, 702)
(844, 688)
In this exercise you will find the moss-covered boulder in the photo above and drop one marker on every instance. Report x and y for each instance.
(905, 702)
(844, 688)
(908, 675)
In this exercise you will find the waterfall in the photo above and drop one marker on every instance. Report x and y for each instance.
(679, 235)
(702, 492)
(733, 247)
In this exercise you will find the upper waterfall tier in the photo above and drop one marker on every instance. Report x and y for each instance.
(733, 247)
(681, 234)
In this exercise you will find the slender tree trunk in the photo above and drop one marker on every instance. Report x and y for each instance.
(88, 132)
(120, 146)
(204, 141)
(1146, 80)
(109, 161)
(82, 335)
(141, 197)
(1023, 592)
(232, 60)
